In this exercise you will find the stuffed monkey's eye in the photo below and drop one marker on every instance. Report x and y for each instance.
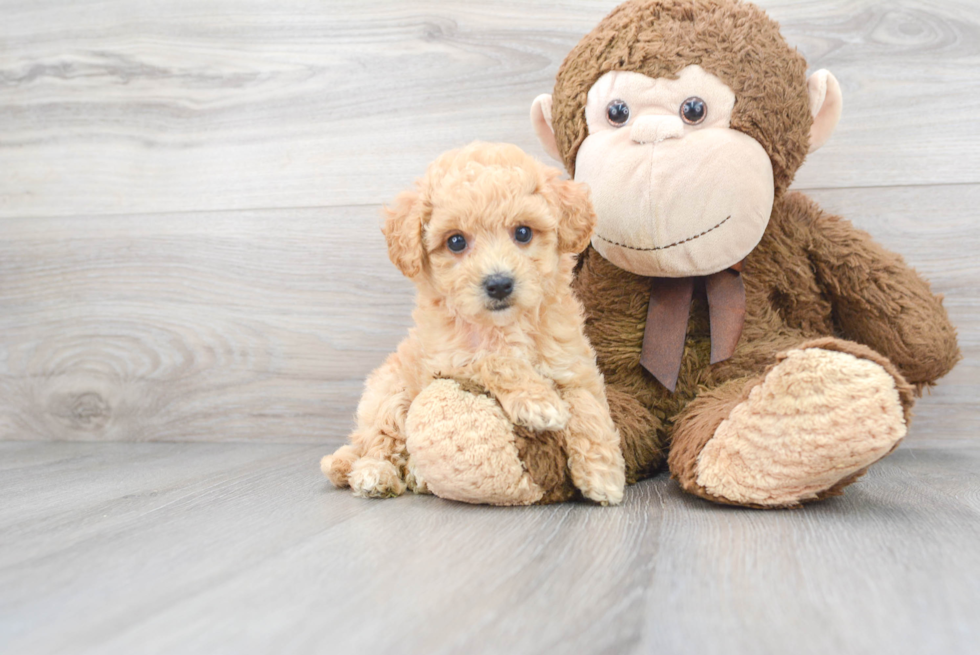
(456, 243)
(693, 110)
(523, 234)
(618, 112)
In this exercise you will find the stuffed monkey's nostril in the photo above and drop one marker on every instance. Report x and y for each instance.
(498, 286)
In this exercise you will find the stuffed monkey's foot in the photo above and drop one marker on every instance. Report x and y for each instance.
(643, 438)
(816, 421)
(463, 446)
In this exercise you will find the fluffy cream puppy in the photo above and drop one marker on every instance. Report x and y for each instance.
(489, 237)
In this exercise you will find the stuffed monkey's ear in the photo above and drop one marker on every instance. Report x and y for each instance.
(541, 120)
(576, 216)
(403, 231)
(826, 103)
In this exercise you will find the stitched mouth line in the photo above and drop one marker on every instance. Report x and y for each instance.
(669, 245)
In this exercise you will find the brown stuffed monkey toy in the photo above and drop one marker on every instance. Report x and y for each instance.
(768, 351)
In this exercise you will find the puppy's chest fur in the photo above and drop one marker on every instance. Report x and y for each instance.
(461, 355)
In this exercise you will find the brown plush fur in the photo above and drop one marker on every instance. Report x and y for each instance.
(545, 458)
(699, 420)
(527, 351)
(736, 42)
(788, 304)
(812, 277)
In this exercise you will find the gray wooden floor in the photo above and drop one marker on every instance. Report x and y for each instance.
(190, 192)
(193, 286)
(240, 548)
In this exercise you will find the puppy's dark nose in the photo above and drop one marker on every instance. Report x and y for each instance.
(498, 286)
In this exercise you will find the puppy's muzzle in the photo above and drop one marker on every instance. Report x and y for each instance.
(498, 288)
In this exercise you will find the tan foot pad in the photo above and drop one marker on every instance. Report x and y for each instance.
(818, 417)
(462, 445)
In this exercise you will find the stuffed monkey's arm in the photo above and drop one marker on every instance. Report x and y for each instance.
(878, 299)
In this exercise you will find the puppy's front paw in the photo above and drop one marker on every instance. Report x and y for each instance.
(538, 411)
(375, 478)
(600, 481)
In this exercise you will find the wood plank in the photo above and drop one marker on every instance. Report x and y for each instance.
(137, 107)
(86, 491)
(251, 325)
(889, 567)
(261, 325)
(201, 548)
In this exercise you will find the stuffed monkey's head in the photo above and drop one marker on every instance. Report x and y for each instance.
(687, 118)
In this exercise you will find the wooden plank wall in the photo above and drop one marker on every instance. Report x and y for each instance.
(189, 191)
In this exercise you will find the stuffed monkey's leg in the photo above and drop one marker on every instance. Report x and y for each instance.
(802, 431)
(642, 437)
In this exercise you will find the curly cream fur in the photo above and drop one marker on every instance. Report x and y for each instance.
(532, 357)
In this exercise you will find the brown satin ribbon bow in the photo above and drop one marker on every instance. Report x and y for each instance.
(670, 308)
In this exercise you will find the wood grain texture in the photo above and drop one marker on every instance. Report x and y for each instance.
(157, 281)
(141, 106)
(252, 325)
(243, 548)
(262, 325)
(189, 251)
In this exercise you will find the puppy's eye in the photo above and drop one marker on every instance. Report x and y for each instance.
(693, 110)
(456, 243)
(617, 112)
(523, 234)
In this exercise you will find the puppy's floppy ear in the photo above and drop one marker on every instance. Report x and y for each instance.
(403, 232)
(576, 217)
